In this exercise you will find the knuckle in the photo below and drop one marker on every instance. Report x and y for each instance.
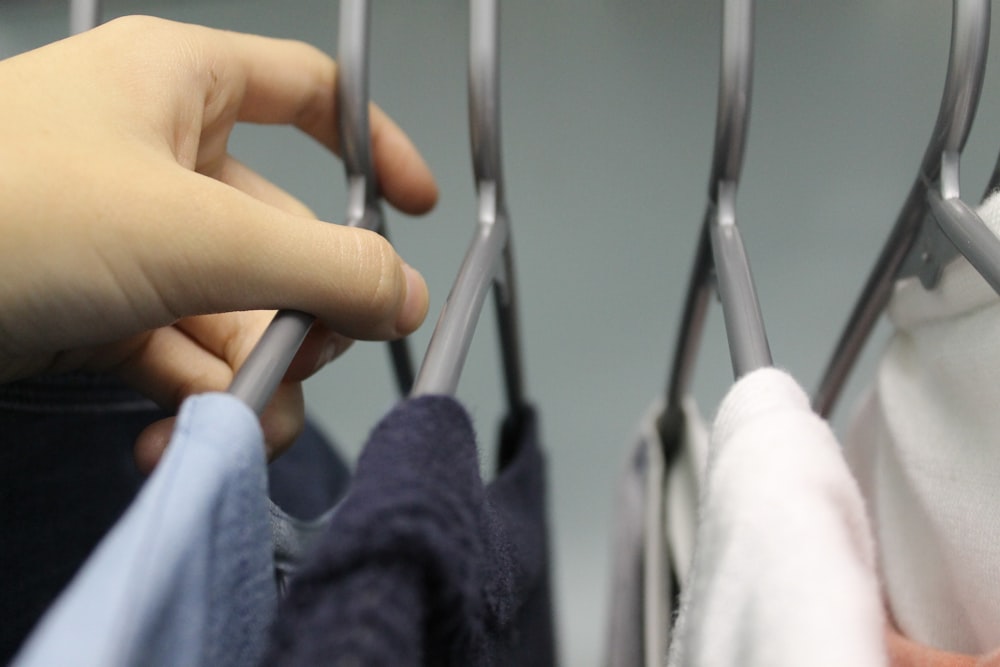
(284, 420)
(382, 276)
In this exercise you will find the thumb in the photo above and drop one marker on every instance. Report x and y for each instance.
(225, 250)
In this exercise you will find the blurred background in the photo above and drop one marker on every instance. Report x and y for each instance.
(608, 117)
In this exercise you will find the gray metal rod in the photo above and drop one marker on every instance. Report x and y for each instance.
(699, 291)
(260, 374)
(994, 182)
(971, 236)
(970, 37)
(508, 323)
(449, 345)
(748, 347)
(735, 86)
(84, 15)
(874, 297)
(489, 261)
(732, 122)
(352, 95)
(487, 161)
(484, 92)
(354, 131)
(267, 364)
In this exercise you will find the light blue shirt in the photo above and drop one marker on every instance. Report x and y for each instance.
(186, 577)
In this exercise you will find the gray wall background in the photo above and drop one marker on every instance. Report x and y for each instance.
(608, 112)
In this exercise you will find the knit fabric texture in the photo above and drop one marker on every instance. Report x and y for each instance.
(784, 565)
(924, 449)
(422, 564)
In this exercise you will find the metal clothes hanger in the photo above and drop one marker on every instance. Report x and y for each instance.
(489, 259)
(721, 262)
(257, 379)
(720, 253)
(994, 183)
(84, 15)
(934, 225)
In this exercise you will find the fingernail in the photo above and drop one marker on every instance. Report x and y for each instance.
(414, 309)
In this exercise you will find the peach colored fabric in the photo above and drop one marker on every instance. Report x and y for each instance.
(905, 652)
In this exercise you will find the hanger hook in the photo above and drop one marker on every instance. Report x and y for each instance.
(905, 252)
(84, 15)
(735, 84)
(352, 105)
(970, 35)
(484, 91)
(260, 374)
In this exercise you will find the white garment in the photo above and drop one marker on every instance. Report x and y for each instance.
(624, 647)
(925, 448)
(784, 565)
(684, 481)
(655, 518)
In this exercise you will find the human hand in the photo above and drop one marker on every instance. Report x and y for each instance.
(133, 243)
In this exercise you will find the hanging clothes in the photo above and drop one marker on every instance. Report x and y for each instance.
(639, 489)
(784, 565)
(924, 449)
(422, 564)
(905, 652)
(661, 482)
(67, 474)
(188, 575)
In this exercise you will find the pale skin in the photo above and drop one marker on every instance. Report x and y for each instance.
(133, 243)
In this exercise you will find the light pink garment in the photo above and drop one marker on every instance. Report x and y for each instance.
(783, 573)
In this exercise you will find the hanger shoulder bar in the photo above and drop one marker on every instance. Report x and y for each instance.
(745, 331)
(969, 233)
(449, 345)
(872, 301)
(268, 362)
(260, 374)
(698, 294)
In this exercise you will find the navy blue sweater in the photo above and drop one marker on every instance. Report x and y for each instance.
(422, 563)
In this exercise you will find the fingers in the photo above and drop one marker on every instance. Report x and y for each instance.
(287, 82)
(231, 337)
(233, 172)
(403, 176)
(220, 250)
(171, 365)
(321, 345)
(201, 354)
(152, 443)
(282, 422)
